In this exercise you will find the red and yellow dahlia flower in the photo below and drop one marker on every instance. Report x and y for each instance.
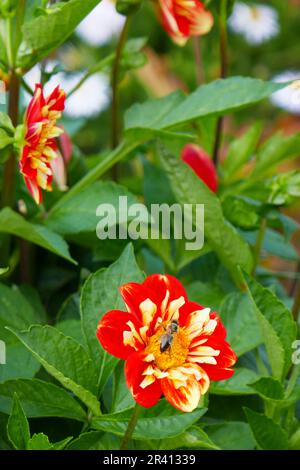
(171, 346)
(184, 18)
(40, 147)
(202, 165)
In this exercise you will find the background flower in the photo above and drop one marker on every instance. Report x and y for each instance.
(158, 312)
(256, 23)
(182, 19)
(89, 100)
(289, 97)
(40, 147)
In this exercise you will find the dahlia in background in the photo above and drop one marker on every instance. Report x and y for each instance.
(256, 23)
(184, 18)
(101, 25)
(202, 165)
(288, 98)
(40, 147)
(89, 100)
(172, 347)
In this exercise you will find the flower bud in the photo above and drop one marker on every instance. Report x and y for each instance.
(202, 165)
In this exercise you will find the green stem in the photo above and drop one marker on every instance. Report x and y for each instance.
(296, 304)
(198, 60)
(131, 426)
(223, 73)
(115, 84)
(9, 42)
(258, 244)
(292, 380)
(95, 68)
(8, 194)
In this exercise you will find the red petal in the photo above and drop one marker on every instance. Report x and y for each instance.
(185, 311)
(202, 165)
(134, 368)
(160, 283)
(133, 295)
(56, 99)
(184, 398)
(33, 113)
(110, 332)
(226, 359)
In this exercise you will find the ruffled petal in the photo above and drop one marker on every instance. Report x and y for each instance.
(135, 366)
(224, 361)
(110, 333)
(184, 386)
(185, 398)
(159, 284)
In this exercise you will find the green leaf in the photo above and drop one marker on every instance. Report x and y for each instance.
(71, 328)
(41, 442)
(17, 426)
(277, 326)
(34, 299)
(78, 214)
(232, 250)
(6, 123)
(15, 224)
(274, 244)
(216, 98)
(238, 384)
(122, 398)
(275, 150)
(294, 443)
(95, 440)
(206, 294)
(99, 295)
(40, 399)
(65, 359)
(4, 271)
(15, 312)
(105, 163)
(19, 363)
(268, 435)
(268, 388)
(192, 438)
(5, 139)
(238, 315)
(241, 212)
(233, 435)
(241, 150)
(161, 420)
(43, 34)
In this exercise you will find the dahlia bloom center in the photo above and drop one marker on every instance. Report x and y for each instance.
(175, 355)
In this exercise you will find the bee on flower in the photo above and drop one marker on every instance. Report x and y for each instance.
(40, 147)
(184, 18)
(255, 22)
(172, 347)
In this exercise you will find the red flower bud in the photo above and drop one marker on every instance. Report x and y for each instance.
(202, 165)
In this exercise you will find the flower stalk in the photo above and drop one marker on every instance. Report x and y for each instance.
(198, 61)
(131, 427)
(223, 73)
(115, 84)
(8, 194)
